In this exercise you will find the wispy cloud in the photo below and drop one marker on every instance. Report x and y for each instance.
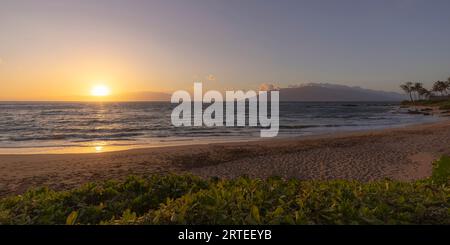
(211, 77)
(268, 87)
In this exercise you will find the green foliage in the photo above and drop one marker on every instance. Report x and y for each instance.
(443, 105)
(245, 201)
(93, 202)
(175, 199)
(441, 171)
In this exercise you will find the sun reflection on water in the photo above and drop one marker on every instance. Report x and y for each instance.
(99, 148)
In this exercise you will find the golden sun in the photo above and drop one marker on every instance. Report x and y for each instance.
(100, 91)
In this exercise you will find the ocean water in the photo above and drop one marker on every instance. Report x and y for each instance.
(41, 127)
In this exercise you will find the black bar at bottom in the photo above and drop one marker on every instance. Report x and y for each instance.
(221, 234)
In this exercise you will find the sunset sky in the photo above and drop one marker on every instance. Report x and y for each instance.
(61, 50)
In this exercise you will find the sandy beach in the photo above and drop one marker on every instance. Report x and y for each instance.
(404, 153)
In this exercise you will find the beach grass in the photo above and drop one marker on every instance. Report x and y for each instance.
(441, 170)
(187, 199)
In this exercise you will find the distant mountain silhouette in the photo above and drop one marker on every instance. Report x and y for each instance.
(333, 92)
(304, 92)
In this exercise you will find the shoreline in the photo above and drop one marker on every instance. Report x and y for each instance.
(401, 153)
(199, 142)
(102, 147)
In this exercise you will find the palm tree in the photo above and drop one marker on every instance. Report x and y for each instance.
(424, 93)
(440, 87)
(408, 88)
(417, 87)
(447, 84)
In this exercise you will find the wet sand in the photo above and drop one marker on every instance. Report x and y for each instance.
(402, 153)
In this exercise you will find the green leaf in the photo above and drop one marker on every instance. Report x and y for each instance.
(72, 218)
(254, 212)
